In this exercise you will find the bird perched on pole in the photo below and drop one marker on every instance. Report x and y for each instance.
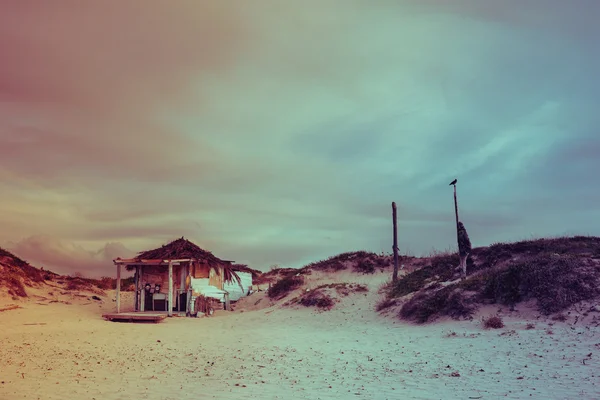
(453, 182)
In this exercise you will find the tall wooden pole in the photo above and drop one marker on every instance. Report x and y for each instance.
(456, 212)
(463, 259)
(395, 245)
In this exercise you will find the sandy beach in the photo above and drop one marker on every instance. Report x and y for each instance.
(67, 351)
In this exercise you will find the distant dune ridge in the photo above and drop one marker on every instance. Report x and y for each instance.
(555, 273)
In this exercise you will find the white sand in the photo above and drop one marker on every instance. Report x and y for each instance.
(274, 353)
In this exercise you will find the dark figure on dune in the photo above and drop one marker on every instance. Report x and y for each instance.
(464, 247)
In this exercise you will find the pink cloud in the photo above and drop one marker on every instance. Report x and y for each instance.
(83, 88)
(66, 258)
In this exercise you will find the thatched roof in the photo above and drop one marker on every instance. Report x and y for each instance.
(181, 249)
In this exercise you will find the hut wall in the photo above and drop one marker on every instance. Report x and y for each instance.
(155, 275)
(215, 278)
(200, 270)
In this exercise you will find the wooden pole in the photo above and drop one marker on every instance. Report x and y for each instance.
(463, 260)
(137, 287)
(142, 290)
(170, 307)
(118, 288)
(395, 245)
(456, 212)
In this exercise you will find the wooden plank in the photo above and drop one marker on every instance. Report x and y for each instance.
(170, 306)
(142, 291)
(137, 287)
(118, 288)
(134, 317)
(133, 261)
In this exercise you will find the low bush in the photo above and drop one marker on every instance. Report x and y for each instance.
(560, 317)
(345, 289)
(448, 301)
(106, 283)
(365, 267)
(440, 268)
(284, 286)
(555, 281)
(317, 298)
(15, 285)
(494, 322)
(384, 304)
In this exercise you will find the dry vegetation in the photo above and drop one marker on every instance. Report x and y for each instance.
(16, 275)
(326, 296)
(360, 261)
(284, 286)
(317, 298)
(557, 273)
(493, 322)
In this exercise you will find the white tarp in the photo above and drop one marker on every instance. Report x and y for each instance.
(201, 286)
(235, 292)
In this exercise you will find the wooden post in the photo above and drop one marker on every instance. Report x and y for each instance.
(142, 290)
(170, 296)
(463, 259)
(395, 245)
(188, 289)
(118, 288)
(137, 284)
(227, 302)
(456, 212)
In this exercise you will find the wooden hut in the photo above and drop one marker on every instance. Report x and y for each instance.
(164, 276)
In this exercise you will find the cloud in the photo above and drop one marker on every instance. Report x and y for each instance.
(67, 258)
(81, 100)
(275, 132)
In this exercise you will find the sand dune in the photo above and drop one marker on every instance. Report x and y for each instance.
(67, 351)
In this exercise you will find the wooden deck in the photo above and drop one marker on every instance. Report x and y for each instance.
(135, 317)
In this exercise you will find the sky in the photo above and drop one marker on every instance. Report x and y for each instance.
(279, 133)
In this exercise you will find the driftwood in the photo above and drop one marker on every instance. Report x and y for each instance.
(10, 307)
